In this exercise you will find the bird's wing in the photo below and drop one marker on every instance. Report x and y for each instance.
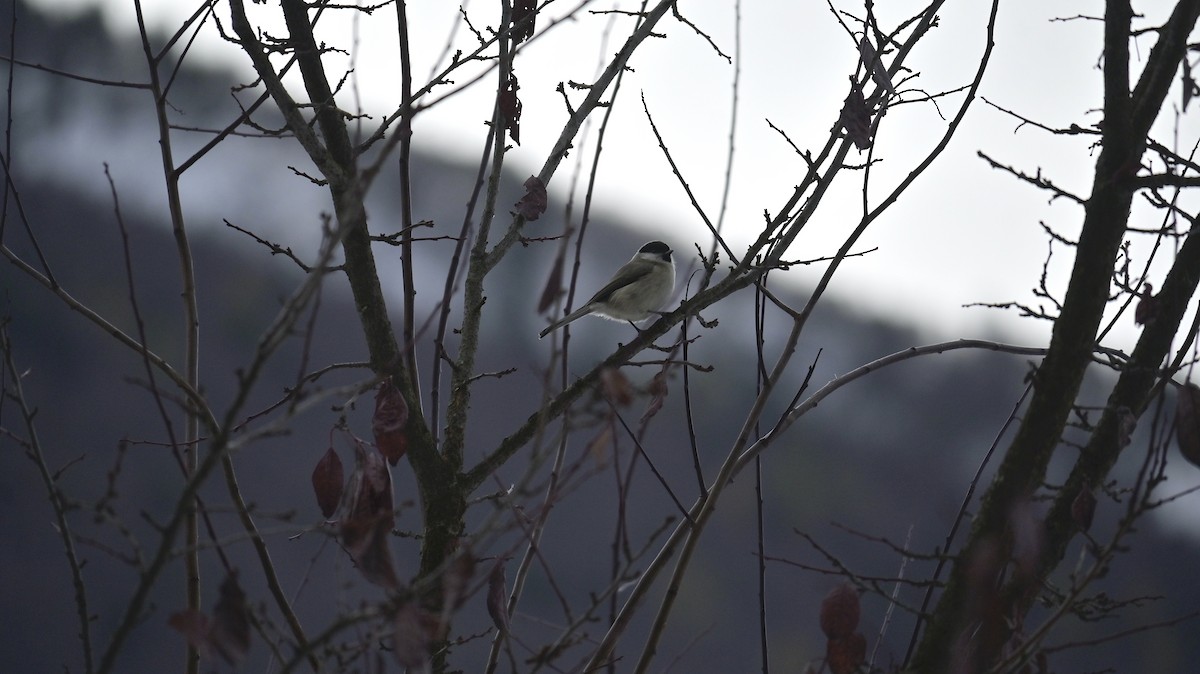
(617, 283)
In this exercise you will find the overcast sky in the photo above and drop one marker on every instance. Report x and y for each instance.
(964, 233)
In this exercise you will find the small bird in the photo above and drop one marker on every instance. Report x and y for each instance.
(639, 288)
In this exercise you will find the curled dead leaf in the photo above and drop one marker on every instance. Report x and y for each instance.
(616, 386)
(328, 481)
(229, 630)
(1083, 508)
(411, 637)
(1187, 422)
(497, 598)
(366, 527)
(658, 395)
(510, 109)
(840, 611)
(534, 202)
(389, 421)
(856, 117)
(524, 13)
(553, 284)
(845, 654)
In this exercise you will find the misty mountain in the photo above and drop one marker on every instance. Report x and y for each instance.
(890, 456)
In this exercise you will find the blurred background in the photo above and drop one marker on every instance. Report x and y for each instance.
(890, 456)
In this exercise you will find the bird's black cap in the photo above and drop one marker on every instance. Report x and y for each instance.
(657, 248)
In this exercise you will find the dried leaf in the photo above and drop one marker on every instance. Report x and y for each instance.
(871, 60)
(534, 203)
(658, 395)
(193, 625)
(856, 117)
(455, 578)
(411, 636)
(510, 109)
(497, 598)
(553, 284)
(229, 631)
(616, 386)
(366, 528)
(1083, 508)
(1028, 539)
(840, 612)
(520, 10)
(846, 654)
(328, 480)
(391, 416)
(1187, 418)
(598, 446)
(1126, 424)
(1147, 306)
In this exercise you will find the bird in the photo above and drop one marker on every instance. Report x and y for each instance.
(637, 290)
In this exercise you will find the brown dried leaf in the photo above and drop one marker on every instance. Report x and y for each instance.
(455, 578)
(411, 636)
(553, 284)
(840, 611)
(658, 395)
(616, 386)
(1147, 306)
(510, 109)
(391, 416)
(1028, 539)
(1083, 508)
(328, 481)
(856, 117)
(871, 60)
(1187, 418)
(368, 545)
(366, 528)
(846, 654)
(520, 10)
(229, 632)
(598, 446)
(534, 203)
(497, 598)
(193, 625)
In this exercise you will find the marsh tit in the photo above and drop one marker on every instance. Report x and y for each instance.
(637, 290)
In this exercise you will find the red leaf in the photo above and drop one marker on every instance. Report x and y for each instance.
(412, 638)
(1147, 306)
(328, 481)
(229, 632)
(497, 598)
(366, 528)
(658, 393)
(533, 204)
(553, 283)
(455, 578)
(391, 416)
(1187, 423)
(1083, 508)
(844, 655)
(616, 386)
(193, 625)
(840, 611)
(510, 109)
(856, 117)
(520, 10)
(598, 446)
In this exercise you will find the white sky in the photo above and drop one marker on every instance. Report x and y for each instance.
(963, 233)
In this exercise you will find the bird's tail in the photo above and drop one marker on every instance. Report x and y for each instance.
(578, 313)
